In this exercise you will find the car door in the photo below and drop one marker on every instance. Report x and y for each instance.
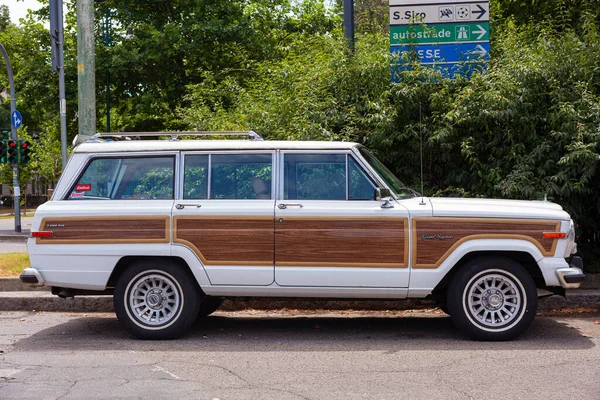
(329, 230)
(225, 212)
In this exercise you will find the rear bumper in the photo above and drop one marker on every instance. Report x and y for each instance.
(571, 278)
(31, 277)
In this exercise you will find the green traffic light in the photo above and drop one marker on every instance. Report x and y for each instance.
(3, 158)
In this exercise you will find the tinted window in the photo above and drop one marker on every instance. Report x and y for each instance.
(360, 186)
(143, 178)
(195, 179)
(241, 176)
(315, 176)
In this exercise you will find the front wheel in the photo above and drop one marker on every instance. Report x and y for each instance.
(492, 299)
(156, 300)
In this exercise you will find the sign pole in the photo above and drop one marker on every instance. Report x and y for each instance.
(349, 22)
(13, 135)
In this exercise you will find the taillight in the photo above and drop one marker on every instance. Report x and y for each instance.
(41, 234)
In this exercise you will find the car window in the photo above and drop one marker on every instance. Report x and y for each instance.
(315, 176)
(360, 186)
(195, 177)
(134, 178)
(241, 176)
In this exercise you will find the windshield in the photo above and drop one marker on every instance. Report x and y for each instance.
(386, 175)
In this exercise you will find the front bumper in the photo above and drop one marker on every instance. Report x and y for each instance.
(571, 278)
(31, 277)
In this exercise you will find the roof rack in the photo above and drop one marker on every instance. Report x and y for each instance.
(174, 135)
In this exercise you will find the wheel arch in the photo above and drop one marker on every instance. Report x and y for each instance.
(525, 259)
(127, 261)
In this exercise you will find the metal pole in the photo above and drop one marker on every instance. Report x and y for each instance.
(349, 22)
(61, 86)
(86, 80)
(13, 135)
(107, 43)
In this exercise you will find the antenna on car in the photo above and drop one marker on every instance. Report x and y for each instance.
(422, 203)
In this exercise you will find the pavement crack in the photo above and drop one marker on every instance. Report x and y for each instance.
(68, 390)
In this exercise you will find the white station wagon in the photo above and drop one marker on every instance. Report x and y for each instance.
(172, 227)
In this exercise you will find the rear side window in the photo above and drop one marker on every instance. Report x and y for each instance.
(139, 178)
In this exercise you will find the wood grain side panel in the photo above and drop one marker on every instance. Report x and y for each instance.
(106, 230)
(227, 241)
(368, 242)
(434, 239)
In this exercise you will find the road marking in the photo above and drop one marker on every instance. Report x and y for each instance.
(158, 368)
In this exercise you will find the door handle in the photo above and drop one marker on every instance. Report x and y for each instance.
(180, 206)
(283, 206)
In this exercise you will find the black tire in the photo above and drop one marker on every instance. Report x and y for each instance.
(492, 299)
(166, 302)
(208, 305)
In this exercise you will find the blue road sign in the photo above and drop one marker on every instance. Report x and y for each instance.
(465, 69)
(16, 119)
(441, 53)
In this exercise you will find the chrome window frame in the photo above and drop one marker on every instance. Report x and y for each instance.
(273, 154)
(348, 153)
(84, 166)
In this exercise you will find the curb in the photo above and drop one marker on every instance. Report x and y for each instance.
(17, 237)
(45, 301)
(12, 284)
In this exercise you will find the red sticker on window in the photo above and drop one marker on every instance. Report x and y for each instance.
(83, 187)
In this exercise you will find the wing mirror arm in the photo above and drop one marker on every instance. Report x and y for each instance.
(385, 196)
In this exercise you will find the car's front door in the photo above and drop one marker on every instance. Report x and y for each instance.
(225, 215)
(329, 230)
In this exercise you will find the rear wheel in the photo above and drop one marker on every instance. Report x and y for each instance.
(492, 298)
(156, 300)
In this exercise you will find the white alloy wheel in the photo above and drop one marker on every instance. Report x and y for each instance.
(492, 298)
(495, 300)
(154, 299)
(157, 299)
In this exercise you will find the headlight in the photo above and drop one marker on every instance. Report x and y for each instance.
(571, 232)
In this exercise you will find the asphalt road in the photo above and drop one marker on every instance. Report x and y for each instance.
(346, 355)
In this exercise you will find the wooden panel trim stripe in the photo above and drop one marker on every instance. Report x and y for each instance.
(201, 257)
(530, 239)
(403, 264)
(110, 239)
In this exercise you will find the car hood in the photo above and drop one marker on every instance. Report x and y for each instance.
(460, 207)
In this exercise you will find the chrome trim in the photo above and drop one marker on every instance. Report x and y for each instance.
(174, 135)
(33, 272)
(283, 206)
(180, 206)
(562, 272)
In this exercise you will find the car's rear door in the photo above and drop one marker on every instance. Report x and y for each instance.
(225, 212)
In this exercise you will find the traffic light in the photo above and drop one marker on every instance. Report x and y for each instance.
(3, 157)
(13, 152)
(5, 134)
(24, 150)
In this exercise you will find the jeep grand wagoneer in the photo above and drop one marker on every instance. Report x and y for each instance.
(171, 227)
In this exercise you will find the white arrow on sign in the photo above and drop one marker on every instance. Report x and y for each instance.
(480, 50)
(481, 32)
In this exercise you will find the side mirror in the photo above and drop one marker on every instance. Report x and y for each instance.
(385, 195)
(382, 193)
